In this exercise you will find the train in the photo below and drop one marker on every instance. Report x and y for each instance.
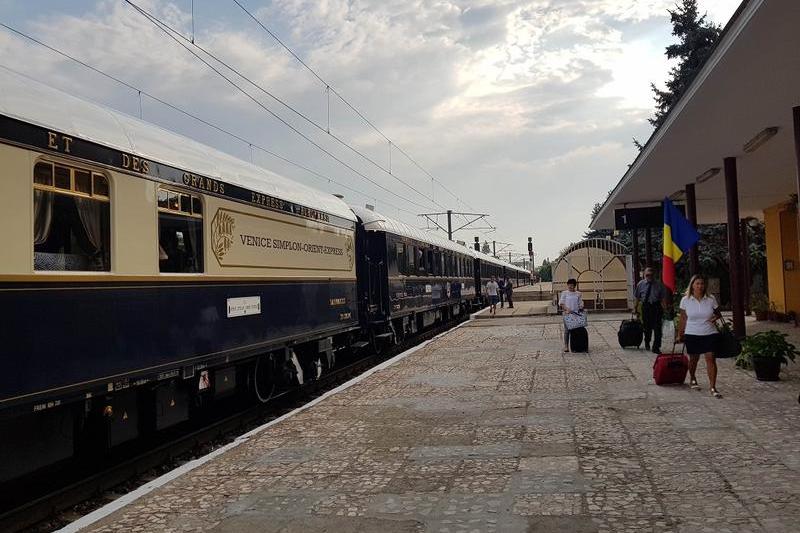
(146, 276)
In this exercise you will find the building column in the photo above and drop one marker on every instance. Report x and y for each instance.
(734, 246)
(648, 248)
(746, 277)
(796, 117)
(691, 215)
(635, 254)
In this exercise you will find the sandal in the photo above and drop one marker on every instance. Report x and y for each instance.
(715, 393)
(693, 384)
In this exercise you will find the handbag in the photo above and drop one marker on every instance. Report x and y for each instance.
(575, 320)
(727, 344)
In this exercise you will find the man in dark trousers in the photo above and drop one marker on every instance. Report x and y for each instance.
(652, 295)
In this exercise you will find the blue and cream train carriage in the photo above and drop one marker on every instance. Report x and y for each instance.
(145, 276)
(427, 279)
(136, 259)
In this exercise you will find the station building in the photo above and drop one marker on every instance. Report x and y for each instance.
(730, 149)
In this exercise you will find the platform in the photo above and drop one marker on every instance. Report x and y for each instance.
(492, 428)
(520, 309)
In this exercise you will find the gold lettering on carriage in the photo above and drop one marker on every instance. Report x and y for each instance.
(56, 141)
(137, 164)
(203, 183)
(252, 241)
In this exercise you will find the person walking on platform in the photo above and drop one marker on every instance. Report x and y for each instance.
(699, 312)
(652, 295)
(509, 293)
(570, 301)
(491, 291)
(501, 289)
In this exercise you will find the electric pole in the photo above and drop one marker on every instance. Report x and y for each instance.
(470, 219)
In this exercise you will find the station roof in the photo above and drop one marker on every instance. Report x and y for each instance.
(751, 82)
(374, 221)
(30, 101)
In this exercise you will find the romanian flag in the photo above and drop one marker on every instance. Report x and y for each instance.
(679, 236)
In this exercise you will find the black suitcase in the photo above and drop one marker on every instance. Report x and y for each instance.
(578, 340)
(630, 333)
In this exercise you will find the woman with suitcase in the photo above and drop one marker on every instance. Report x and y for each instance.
(699, 312)
(570, 301)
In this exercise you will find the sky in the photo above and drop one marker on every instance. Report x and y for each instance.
(524, 110)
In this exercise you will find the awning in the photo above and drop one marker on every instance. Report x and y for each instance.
(751, 82)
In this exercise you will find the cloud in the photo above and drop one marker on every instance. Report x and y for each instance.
(524, 108)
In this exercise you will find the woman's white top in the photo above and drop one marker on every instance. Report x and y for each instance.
(571, 299)
(698, 314)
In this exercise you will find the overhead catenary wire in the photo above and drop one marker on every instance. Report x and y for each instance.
(347, 103)
(324, 129)
(156, 22)
(329, 89)
(176, 35)
(140, 92)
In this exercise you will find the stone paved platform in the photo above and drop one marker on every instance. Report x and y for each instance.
(523, 308)
(492, 428)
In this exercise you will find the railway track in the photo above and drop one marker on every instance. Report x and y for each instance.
(72, 498)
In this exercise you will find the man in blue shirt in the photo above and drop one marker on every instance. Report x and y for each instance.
(652, 294)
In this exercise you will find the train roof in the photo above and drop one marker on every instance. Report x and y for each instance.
(33, 102)
(374, 221)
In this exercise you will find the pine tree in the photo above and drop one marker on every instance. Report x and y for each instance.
(696, 39)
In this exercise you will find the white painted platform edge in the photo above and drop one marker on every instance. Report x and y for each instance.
(122, 501)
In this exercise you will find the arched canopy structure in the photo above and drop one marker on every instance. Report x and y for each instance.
(601, 267)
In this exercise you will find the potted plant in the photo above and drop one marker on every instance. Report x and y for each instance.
(765, 352)
(759, 304)
(772, 313)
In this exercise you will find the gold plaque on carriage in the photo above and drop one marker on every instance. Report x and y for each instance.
(252, 241)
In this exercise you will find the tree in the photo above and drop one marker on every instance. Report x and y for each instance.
(696, 39)
(545, 270)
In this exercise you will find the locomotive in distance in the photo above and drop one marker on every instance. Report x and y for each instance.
(148, 281)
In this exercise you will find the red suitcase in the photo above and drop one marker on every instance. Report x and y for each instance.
(670, 368)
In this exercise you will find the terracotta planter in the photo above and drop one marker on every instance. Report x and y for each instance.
(767, 368)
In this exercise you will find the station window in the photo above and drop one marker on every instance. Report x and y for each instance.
(72, 219)
(180, 232)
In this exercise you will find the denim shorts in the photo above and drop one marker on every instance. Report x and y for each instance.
(494, 299)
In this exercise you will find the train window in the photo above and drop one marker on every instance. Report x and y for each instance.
(83, 182)
(72, 224)
(100, 185)
(180, 232)
(421, 262)
(401, 257)
(197, 206)
(62, 177)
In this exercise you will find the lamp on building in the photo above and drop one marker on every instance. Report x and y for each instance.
(707, 175)
(677, 195)
(763, 136)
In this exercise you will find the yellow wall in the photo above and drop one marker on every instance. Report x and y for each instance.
(782, 245)
(791, 278)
